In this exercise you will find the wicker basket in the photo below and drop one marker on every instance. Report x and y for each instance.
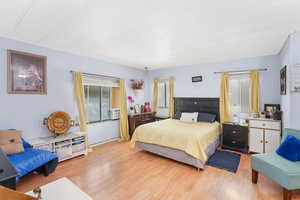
(58, 122)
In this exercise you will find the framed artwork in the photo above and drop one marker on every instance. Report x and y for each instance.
(26, 73)
(271, 109)
(283, 81)
(197, 79)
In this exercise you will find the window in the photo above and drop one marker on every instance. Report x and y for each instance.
(101, 96)
(163, 96)
(97, 103)
(239, 94)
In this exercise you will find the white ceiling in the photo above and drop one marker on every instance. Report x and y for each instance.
(155, 33)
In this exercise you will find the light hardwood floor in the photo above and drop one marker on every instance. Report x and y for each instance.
(114, 171)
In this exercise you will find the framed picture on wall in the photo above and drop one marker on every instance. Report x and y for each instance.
(26, 73)
(283, 81)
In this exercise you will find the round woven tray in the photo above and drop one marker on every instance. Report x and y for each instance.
(59, 122)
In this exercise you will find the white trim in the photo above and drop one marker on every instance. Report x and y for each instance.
(104, 142)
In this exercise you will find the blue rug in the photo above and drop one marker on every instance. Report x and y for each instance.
(225, 160)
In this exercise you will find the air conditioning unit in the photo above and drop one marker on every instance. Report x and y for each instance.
(115, 113)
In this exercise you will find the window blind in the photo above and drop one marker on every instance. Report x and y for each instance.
(100, 81)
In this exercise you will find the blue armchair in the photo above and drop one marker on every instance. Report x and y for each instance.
(33, 160)
(286, 173)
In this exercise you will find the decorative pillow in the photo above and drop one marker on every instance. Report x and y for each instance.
(290, 148)
(177, 115)
(189, 117)
(11, 141)
(206, 117)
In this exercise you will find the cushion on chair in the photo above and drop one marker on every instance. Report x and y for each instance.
(290, 148)
(11, 142)
(282, 171)
(30, 159)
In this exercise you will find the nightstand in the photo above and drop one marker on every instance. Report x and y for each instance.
(235, 137)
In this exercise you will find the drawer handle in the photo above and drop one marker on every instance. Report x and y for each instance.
(261, 141)
(263, 124)
(233, 131)
(267, 142)
(233, 142)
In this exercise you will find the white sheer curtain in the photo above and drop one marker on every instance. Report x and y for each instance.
(239, 95)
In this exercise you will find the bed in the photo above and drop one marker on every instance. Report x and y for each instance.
(189, 143)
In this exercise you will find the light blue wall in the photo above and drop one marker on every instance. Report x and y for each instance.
(26, 112)
(290, 55)
(210, 86)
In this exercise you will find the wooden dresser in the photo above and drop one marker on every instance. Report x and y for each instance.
(264, 135)
(235, 137)
(138, 119)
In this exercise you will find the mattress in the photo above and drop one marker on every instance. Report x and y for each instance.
(179, 155)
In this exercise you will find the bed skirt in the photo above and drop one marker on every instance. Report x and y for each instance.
(179, 155)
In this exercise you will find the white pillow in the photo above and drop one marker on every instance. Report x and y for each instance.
(189, 117)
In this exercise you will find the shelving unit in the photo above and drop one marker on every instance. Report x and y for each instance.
(66, 146)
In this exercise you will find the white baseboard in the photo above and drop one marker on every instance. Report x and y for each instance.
(105, 141)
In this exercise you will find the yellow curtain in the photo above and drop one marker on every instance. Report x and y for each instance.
(171, 96)
(224, 98)
(80, 101)
(124, 128)
(255, 91)
(155, 94)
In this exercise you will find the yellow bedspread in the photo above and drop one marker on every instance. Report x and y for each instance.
(193, 138)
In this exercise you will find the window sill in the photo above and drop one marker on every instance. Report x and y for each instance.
(102, 121)
(99, 122)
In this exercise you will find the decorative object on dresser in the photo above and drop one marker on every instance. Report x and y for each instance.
(58, 122)
(264, 135)
(66, 146)
(27, 73)
(138, 119)
(235, 137)
(8, 173)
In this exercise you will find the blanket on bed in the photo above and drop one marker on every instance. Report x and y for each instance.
(192, 138)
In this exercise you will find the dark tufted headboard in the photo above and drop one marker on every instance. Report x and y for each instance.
(196, 104)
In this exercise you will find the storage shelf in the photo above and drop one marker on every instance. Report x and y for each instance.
(62, 145)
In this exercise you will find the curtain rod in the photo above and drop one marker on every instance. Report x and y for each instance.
(247, 70)
(96, 75)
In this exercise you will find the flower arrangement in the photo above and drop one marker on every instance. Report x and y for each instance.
(137, 84)
(130, 99)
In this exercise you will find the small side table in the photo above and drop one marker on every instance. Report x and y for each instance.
(235, 137)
